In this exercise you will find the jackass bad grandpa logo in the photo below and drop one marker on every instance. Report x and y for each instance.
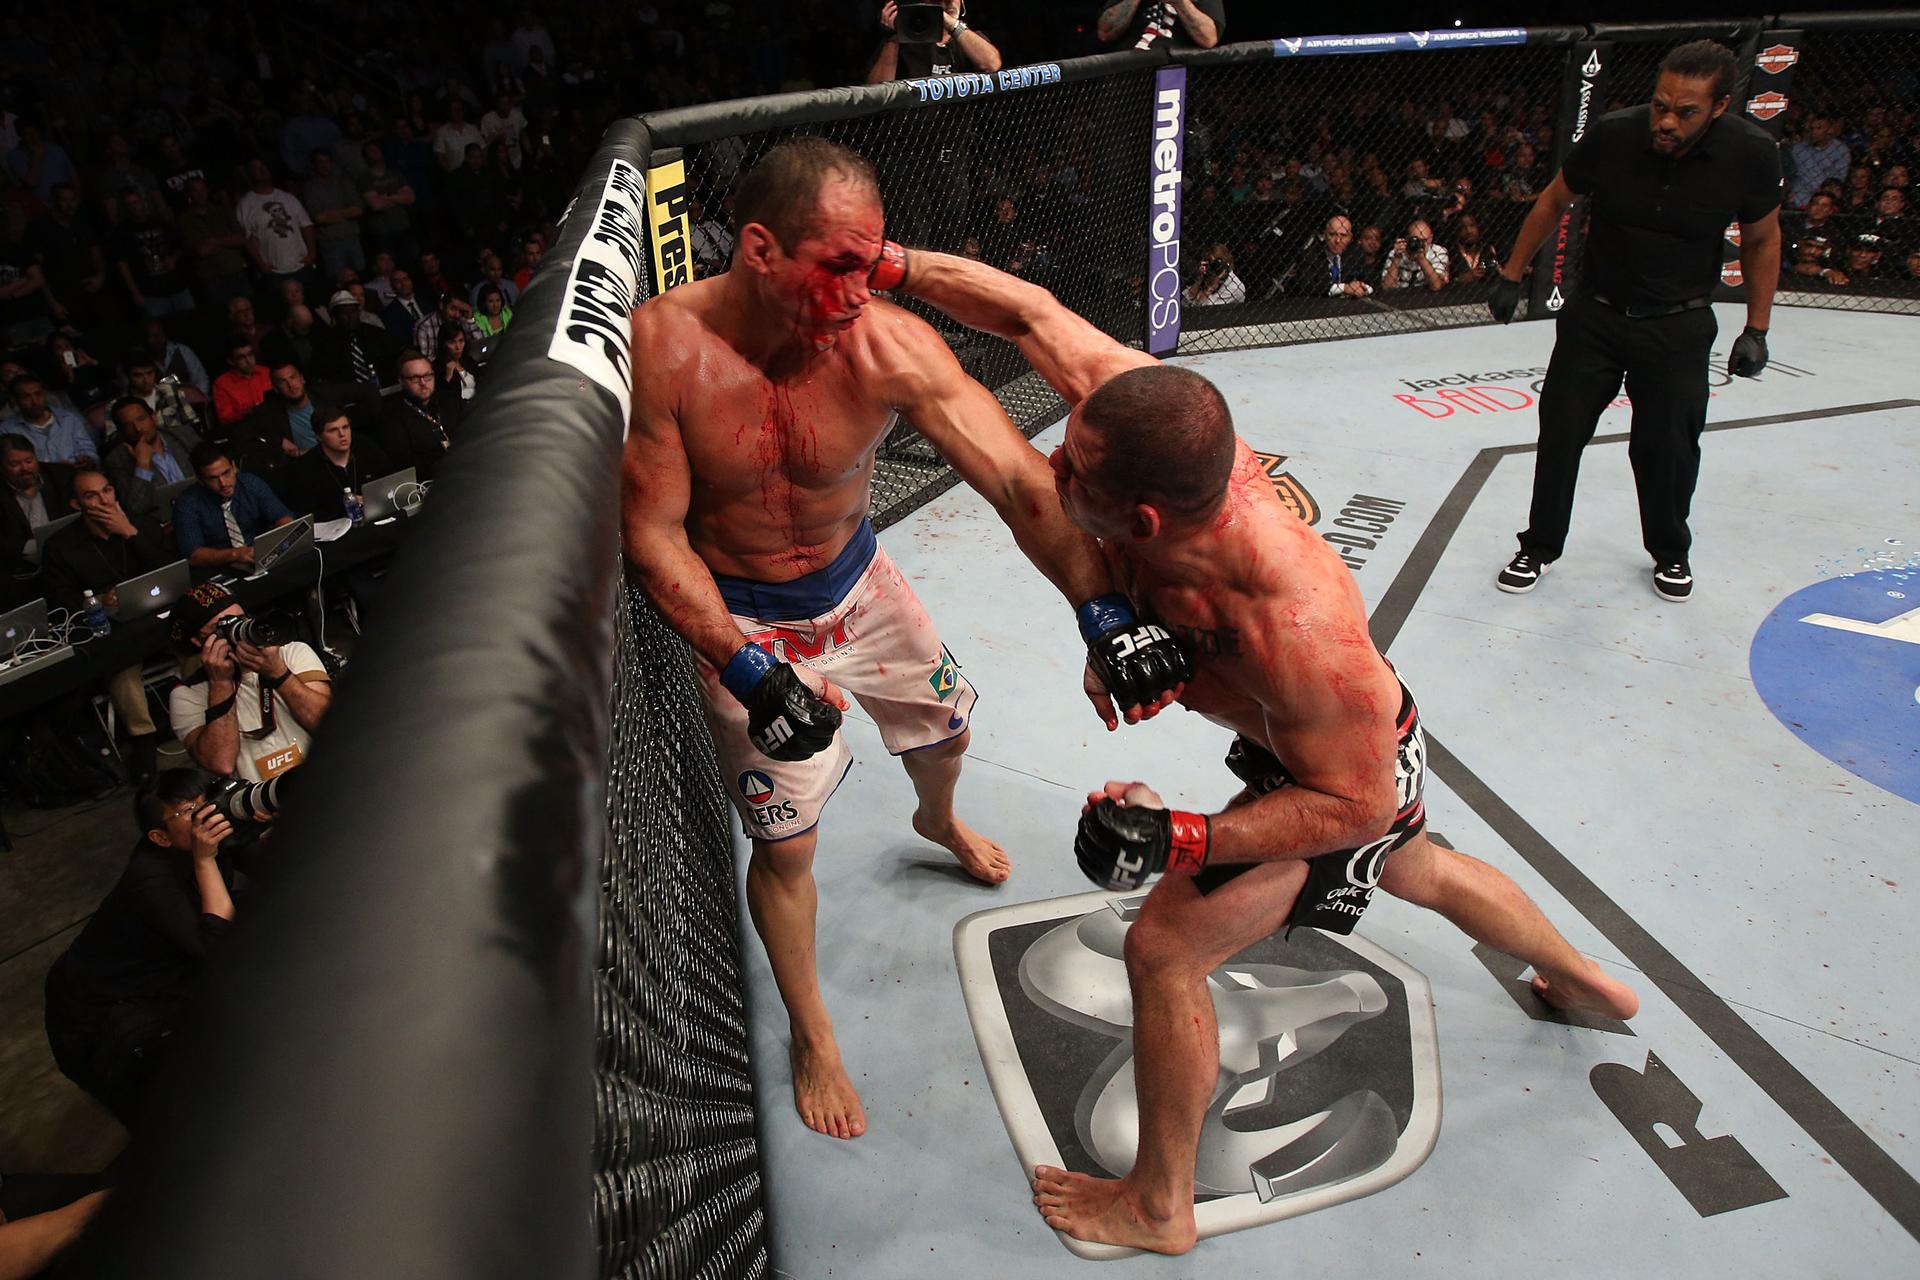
(1328, 1071)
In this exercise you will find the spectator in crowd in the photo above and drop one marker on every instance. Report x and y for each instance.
(420, 424)
(351, 351)
(239, 391)
(1142, 24)
(504, 123)
(216, 521)
(39, 495)
(27, 309)
(453, 310)
(1889, 220)
(215, 244)
(1216, 284)
(177, 361)
(177, 170)
(1367, 258)
(1420, 183)
(493, 276)
(1812, 256)
(959, 49)
(293, 293)
(350, 149)
(146, 456)
(280, 233)
(390, 200)
(121, 174)
(334, 202)
(405, 311)
(1474, 260)
(1912, 276)
(292, 341)
(1818, 219)
(167, 401)
(307, 130)
(147, 254)
(72, 255)
(57, 435)
(1862, 264)
(39, 164)
(431, 281)
(477, 204)
(534, 247)
(85, 383)
(317, 481)
(243, 710)
(1415, 261)
(493, 315)
(105, 547)
(117, 993)
(1323, 270)
(242, 319)
(457, 378)
(453, 139)
(1817, 158)
(282, 428)
(1857, 199)
(379, 282)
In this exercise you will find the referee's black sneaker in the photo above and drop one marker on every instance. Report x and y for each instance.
(1523, 573)
(1673, 582)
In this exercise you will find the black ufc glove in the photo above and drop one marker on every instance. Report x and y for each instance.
(1749, 354)
(1503, 298)
(1137, 661)
(1119, 846)
(785, 719)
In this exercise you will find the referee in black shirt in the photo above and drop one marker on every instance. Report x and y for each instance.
(1663, 182)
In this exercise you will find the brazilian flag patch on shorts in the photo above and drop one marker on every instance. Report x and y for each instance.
(946, 677)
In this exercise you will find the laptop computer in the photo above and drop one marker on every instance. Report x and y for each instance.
(152, 593)
(41, 532)
(390, 496)
(275, 545)
(168, 494)
(26, 642)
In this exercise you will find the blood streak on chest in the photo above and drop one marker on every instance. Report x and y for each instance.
(785, 446)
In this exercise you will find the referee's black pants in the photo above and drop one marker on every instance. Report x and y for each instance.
(1663, 361)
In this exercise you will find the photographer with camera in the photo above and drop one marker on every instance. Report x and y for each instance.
(1415, 258)
(929, 40)
(1216, 285)
(120, 989)
(249, 697)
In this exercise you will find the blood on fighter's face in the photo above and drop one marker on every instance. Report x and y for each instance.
(822, 282)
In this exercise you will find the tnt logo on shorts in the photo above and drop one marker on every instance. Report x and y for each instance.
(946, 676)
(1328, 1086)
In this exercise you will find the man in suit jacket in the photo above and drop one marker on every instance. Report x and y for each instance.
(146, 457)
(37, 493)
(404, 314)
(350, 351)
(419, 426)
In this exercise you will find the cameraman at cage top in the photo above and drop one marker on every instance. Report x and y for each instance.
(929, 40)
(927, 201)
(250, 697)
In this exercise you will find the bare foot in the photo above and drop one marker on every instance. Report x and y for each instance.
(1592, 990)
(822, 1092)
(1105, 1211)
(984, 859)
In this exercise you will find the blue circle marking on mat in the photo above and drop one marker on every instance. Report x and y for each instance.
(1839, 663)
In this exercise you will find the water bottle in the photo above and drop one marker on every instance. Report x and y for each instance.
(97, 620)
(356, 509)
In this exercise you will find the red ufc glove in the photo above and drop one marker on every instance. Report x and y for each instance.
(890, 272)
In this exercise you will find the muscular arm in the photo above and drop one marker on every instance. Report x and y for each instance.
(656, 485)
(308, 699)
(961, 419)
(1073, 356)
(1338, 738)
(1760, 266)
(1114, 19)
(1198, 24)
(1541, 220)
(979, 50)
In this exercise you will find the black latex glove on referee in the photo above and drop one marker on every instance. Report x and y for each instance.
(1503, 298)
(1119, 845)
(1137, 662)
(1749, 354)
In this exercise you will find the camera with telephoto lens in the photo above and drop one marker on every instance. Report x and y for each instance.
(920, 23)
(245, 629)
(249, 807)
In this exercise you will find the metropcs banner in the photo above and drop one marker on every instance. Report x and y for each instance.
(1166, 144)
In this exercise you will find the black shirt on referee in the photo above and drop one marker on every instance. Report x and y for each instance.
(1663, 183)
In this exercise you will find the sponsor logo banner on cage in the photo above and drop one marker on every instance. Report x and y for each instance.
(1328, 1087)
(1166, 143)
(1388, 41)
(594, 334)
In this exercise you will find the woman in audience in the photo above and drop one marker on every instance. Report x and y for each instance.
(494, 314)
(455, 373)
